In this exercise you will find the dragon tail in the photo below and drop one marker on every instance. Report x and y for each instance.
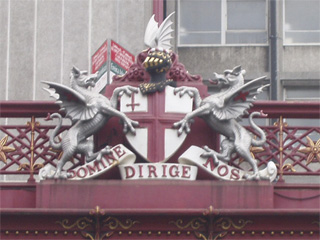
(262, 135)
(53, 143)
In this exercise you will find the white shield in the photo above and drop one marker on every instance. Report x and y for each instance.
(156, 140)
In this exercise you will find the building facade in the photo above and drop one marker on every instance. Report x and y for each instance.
(42, 40)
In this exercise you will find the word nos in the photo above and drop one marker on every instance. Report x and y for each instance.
(119, 154)
(222, 171)
(167, 171)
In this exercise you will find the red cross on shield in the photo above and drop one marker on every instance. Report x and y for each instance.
(156, 140)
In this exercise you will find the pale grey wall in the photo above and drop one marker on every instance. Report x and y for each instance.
(206, 60)
(42, 39)
(300, 63)
(3, 47)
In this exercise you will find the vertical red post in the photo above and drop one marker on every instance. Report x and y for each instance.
(158, 10)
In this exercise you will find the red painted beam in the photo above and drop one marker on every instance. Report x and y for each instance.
(168, 211)
(173, 197)
(274, 109)
(158, 10)
(21, 109)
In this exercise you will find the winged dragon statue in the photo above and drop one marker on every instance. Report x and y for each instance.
(89, 111)
(221, 111)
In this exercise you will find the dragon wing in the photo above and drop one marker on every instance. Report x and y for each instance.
(159, 37)
(236, 103)
(151, 33)
(72, 102)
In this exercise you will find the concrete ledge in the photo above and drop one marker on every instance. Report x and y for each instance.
(154, 194)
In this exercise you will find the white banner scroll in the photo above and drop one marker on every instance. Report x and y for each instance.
(119, 155)
(222, 171)
(163, 171)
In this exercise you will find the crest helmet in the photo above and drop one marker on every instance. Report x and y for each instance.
(158, 39)
(158, 61)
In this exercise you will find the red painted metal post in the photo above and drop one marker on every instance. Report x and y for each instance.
(158, 10)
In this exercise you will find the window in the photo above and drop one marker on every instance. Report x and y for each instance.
(222, 22)
(302, 22)
(302, 93)
(310, 91)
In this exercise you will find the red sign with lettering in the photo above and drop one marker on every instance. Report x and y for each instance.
(100, 57)
(121, 56)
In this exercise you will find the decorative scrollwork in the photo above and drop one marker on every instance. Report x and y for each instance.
(227, 223)
(26, 166)
(136, 72)
(288, 166)
(195, 223)
(220, 235)
(80, 223)
(200, 236)
(90, 236)
(312, 150)
(210, 211)
(97, 211)
(211, 236)
(87, 235)
(179, 73)
(114, 223)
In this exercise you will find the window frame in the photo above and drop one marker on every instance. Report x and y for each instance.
(224, 30)
(301, 84)
(285, 43)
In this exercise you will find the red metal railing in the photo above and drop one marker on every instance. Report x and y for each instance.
(295, 149)
(24, 148)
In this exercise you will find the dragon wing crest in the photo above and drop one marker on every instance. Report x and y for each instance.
(159, 37)
(236, 103)
(72, 102)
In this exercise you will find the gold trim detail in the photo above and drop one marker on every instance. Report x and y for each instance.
(210, 237)
(200, 236)
(281, 165)
(4, 149)
(281, 124)
(31, 166)
(97, 211)
(195, 223)
(252, 150)
(227, 223)
(80, 223)
(313, 150)
(96, 237)
(114, 223)
(289, 166)
(209, 211)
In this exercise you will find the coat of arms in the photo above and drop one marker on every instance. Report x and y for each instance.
(158, 100)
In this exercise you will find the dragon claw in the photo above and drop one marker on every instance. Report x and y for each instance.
(106, 150)
(183, 125)
(180, 131)
(59, 175)
(209, 153)
(254, 177)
